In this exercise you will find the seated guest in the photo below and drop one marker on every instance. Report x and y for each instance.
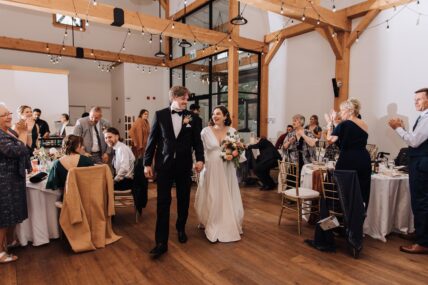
(300, 143)
(267, 159)
(122, 160)
(65, 121)
(280, 140)
(43, 125)
(73, 148)
(314, 127)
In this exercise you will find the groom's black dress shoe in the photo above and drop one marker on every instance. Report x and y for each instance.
(182, 237)
(158, 250)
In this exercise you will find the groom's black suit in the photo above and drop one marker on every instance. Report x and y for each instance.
(173, 162)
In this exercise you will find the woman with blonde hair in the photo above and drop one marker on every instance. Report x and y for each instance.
(26, 116)
(352, 135)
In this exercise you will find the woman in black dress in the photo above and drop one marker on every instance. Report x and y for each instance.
(72, 147)
(14, 160)
(352, 134)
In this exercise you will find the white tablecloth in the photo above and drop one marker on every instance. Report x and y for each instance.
(42, 222)
(389, 207)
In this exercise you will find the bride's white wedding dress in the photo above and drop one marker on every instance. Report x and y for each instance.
(218, 200)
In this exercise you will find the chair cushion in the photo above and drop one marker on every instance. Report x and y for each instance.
(304, 193)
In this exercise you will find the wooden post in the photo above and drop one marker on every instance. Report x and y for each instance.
(342, 70)
(233, 86)
(264, 87)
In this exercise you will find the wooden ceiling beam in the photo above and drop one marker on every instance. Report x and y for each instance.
(189, 8)
(290, 32)
(363, 8)
(70, 51)
(333, 39)
(294, 9)
(103, 13)
(273, 49)
(200, 54)
(362, 25)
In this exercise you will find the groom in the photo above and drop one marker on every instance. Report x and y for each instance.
(172, 140)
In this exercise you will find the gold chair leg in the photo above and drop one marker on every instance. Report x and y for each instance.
(299, 217)
(280, 215)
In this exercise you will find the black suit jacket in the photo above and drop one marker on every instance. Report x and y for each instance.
(163, 144)
(268, 153)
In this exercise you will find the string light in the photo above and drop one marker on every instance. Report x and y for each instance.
(66, 33)
(94, 2)
(123, 48)
(151, 39)
(173, 26)
(387, 24)
(142, 32)
(230, 38)
(92, 52)
(129, 32)
(160, 38)
(87, 23)
(358, 36)
(63, 47)
(47, 47)
(318, 21)
(282, 8)
(303, 16)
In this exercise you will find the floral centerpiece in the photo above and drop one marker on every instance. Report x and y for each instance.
(46, 157)
(232, 148)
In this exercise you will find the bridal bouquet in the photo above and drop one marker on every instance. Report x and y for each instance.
(232, 148)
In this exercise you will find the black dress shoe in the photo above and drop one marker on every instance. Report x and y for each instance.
(182, 237)
(158, 250)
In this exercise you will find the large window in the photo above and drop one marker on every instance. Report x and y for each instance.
(207, 79)
(63, 21)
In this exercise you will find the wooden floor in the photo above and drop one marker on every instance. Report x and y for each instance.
(267, 254)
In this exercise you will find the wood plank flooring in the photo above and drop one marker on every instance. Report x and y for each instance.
(267, 254)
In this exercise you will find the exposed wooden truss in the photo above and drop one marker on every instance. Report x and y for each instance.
(70, 51)
(103, 14)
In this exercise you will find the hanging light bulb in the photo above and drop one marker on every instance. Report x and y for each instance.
(47, 47)
(150, 71)
(151, 39)
(123, 48)
(87, 23)
(173, 26)
(129, 32)
(358, 37)
(142, 31)
(160, 38)
(303, 17)
(417, 2)
(92, 52)
(94, 2)
(194, 42)
(333, 34)
(387, 24)
(156, 68)
(66, 33)
(333, 8)
(282, 8)
(230, 38)
(138, 66)
(63, 47)
(318, 21)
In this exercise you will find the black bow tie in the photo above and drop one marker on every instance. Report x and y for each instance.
(180, 113)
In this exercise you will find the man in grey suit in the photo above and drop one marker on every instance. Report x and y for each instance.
(91, 130)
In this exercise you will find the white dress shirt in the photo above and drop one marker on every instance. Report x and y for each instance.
(177, 122)
(95, 145)
(123, 161)
(419, 135)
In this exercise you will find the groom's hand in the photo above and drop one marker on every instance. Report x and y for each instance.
(198, 166)
(148, 172)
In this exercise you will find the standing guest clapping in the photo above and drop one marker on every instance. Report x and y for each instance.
(14, 160)
(300, 143)
(352, 135)
(417, 139)
(314, 127)
(26, 116)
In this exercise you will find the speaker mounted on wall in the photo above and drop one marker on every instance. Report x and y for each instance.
(336, 86)
(79, 52)
(118, 17)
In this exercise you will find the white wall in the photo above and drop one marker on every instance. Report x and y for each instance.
(37, 90)
(387, 66)
(138, 86)
(118, 98)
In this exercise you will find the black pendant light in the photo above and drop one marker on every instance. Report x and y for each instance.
(239, 20)
(160, 53)
(184, 43)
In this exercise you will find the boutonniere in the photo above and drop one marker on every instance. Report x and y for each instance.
(187, 119)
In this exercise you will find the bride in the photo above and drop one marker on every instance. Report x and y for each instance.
(218, 201)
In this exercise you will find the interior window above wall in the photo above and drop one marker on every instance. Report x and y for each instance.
(220, 18)
(63, 21)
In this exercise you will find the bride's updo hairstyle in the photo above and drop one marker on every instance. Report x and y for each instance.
(353, 105)
(225, 112)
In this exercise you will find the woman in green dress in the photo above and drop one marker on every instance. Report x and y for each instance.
(73, 148)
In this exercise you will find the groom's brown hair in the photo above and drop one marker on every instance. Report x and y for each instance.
(178, 91)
